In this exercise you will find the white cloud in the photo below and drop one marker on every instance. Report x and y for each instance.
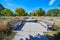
(51, 2)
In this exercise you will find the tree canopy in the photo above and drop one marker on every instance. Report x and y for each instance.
(6, 12)
(53, 12)
(58, 5)
(40, 12)
(1, 8)
(19, 11)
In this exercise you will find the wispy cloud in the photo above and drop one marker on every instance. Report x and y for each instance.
(51, 2)
(8, 3)
(6, 0)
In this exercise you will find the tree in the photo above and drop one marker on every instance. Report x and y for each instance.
(26, 14)
(29, 14)
(59, 5)
(19, 11)
(1, 8)
(7, 12)
(40, 12)
(53, 12)
(33, 14)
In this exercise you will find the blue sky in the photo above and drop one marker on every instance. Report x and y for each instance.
(30, 5)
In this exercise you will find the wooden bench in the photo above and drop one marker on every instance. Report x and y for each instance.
(47, 24)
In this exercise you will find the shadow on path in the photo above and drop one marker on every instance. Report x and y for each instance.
(38, 37)
(20, 27)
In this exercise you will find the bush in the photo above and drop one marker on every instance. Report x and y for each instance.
(57, 25)
(4, 29)
(56, 36)
(1, 35)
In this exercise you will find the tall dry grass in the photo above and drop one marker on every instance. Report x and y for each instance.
(3, 26)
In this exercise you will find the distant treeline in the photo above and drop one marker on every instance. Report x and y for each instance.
(21, 12)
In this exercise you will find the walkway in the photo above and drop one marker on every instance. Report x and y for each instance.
(30, 28)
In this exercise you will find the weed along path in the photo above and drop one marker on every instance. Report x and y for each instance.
(31, 31)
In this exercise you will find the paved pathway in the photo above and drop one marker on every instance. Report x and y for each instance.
(30, 28)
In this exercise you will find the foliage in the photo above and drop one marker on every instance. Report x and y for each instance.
(26, 14)
(6, 37)
(33, 14)
(6, 12)
(53, 35)
(59, 5)
(19, 12)
(58, 14)
(56, 36)
(40, 12)
(53, 12)
(5, 31)
(1, 8)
